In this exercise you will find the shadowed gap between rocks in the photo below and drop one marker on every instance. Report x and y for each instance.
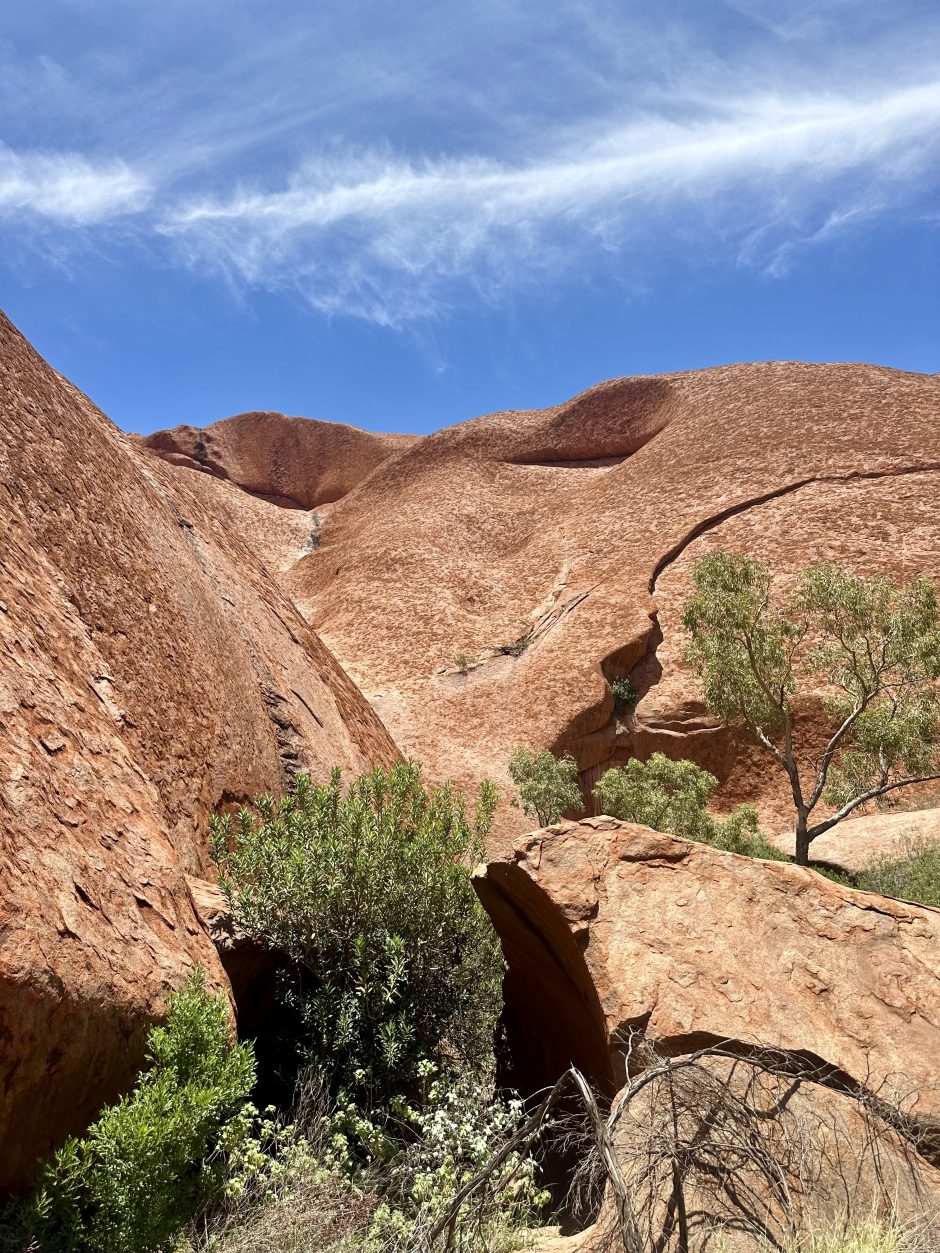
(552, 1017)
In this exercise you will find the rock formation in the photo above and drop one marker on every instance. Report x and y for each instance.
(552, 550)
(189, 618)
(298, 462)
(150, 671)
(610, 929)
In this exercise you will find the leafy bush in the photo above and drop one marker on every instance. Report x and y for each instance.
(548, 785)
(912, 875)
(671, 796)
(458, 1126)
(625, 695)
(155, 1158)
(369, 895)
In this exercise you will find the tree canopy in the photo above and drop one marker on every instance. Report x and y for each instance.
(672, 796)
(547, 785)
(870, 650)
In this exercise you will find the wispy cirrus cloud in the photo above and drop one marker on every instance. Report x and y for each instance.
(385, 237)
(390, 167)
(67, 188)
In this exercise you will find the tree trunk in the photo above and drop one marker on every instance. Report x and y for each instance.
(802, 841)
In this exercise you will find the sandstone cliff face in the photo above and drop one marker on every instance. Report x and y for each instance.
(610, 928)
(150, 670)
(553, 549)
(299, 462)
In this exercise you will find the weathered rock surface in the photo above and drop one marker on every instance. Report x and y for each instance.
(553, 549)
(300, 462)
(610, 928)
(150, 670)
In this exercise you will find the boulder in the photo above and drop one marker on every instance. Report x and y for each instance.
(635, 929)
(299, 462)
(616, 936)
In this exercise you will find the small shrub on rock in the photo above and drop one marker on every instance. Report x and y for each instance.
(155, 1158)
(671, 796)
(625, 695)
(547, 785)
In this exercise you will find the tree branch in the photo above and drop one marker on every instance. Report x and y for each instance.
(822, 772)
(870, 795)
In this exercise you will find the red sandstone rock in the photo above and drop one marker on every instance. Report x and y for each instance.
(574, 528)
(150, 670)
(297, 461)
(609, 927)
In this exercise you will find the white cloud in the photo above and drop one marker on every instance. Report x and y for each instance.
(68, 188)
(383, 236)
(530, 145)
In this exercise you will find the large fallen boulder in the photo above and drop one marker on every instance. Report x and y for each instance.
(616, 935)
(150, 671)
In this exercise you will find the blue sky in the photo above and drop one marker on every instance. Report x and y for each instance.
(403, 215)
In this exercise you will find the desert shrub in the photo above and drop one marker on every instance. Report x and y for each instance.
(671, 796)
(323, 1194)
(515, 648)
(158, 1156)
(547, 785)
(281, 1195)
(625, 695)
(370, 897)
(913, 874)
(456, 1126)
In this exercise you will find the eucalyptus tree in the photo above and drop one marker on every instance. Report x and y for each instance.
(868, 647)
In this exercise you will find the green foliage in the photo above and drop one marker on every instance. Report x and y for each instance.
(547, 785)
(741, 644)
(515, 648)
(458, 1127)
(369, 895)
(155, 1158)
(871, 649)
(671, 796)
(313, 1188)
(913, 874)
(625, 695)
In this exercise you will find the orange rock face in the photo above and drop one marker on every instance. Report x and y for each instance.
(299, 462)
(150, 670)
(552, 550)
(610, 928)
(187, 619)
(694, 945)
